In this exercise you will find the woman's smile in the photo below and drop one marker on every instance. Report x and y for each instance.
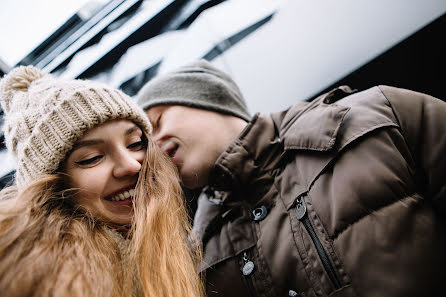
(105, 165)
(122, 196)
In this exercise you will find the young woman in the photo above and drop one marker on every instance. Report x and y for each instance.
(96, 209)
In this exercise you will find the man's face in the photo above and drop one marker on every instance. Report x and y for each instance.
(193, 138)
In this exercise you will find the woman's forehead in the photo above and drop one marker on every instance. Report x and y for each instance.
(116, 127)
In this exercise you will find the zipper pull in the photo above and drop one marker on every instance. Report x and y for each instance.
(301, 208)
(249, 265)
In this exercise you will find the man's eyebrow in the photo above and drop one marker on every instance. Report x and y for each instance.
(89, 142)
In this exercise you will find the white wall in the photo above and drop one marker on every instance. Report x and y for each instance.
(309, 45)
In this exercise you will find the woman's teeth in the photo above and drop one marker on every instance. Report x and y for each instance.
(124, 195)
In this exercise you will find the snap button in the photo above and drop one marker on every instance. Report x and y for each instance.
(292, 293)
(259, 213)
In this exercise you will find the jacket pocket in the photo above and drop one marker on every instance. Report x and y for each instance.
(322, 266)
(302, 216)
(315, 130)
(222, 267)
(230, 238)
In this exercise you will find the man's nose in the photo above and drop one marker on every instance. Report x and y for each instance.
(127, 163)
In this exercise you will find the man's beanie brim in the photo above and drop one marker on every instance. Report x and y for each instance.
(198, 85)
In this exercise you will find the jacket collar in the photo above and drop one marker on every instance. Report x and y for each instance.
(313, 126)
(247, 161)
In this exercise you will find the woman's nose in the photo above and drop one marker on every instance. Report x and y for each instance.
(127, 163)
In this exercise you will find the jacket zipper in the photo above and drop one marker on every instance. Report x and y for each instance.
(247, 270)
(302, 216)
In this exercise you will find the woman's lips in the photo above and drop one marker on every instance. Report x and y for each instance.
(128, 201)
(124, 196)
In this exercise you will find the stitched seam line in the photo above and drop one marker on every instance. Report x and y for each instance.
(398, 123)
(335, 237)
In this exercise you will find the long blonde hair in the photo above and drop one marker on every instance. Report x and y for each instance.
(51, 247)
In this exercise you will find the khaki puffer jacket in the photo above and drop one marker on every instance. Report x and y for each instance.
(343, 196)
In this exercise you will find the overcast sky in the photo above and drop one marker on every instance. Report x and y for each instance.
(26, 23)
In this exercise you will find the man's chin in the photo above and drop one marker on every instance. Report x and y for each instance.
(190, 185)
(191, 182)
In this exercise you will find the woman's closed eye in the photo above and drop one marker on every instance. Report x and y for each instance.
(137, 145)
(89, 161)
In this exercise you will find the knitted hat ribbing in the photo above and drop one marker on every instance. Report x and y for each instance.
(45, 116)
(199, 85)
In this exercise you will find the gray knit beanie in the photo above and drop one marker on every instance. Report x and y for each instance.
(199, 85)
(45, 116)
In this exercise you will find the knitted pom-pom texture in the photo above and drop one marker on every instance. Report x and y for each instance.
(18, 80)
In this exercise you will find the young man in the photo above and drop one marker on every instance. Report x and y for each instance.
(341, 196)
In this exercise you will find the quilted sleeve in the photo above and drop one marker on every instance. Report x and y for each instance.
(422, 119)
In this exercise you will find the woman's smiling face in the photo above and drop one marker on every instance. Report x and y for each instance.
(104, 165)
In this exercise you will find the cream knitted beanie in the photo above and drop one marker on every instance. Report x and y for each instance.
(45, 116)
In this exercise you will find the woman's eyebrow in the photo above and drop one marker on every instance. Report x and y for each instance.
(131, 130)
(88, 142)
(99, 141)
